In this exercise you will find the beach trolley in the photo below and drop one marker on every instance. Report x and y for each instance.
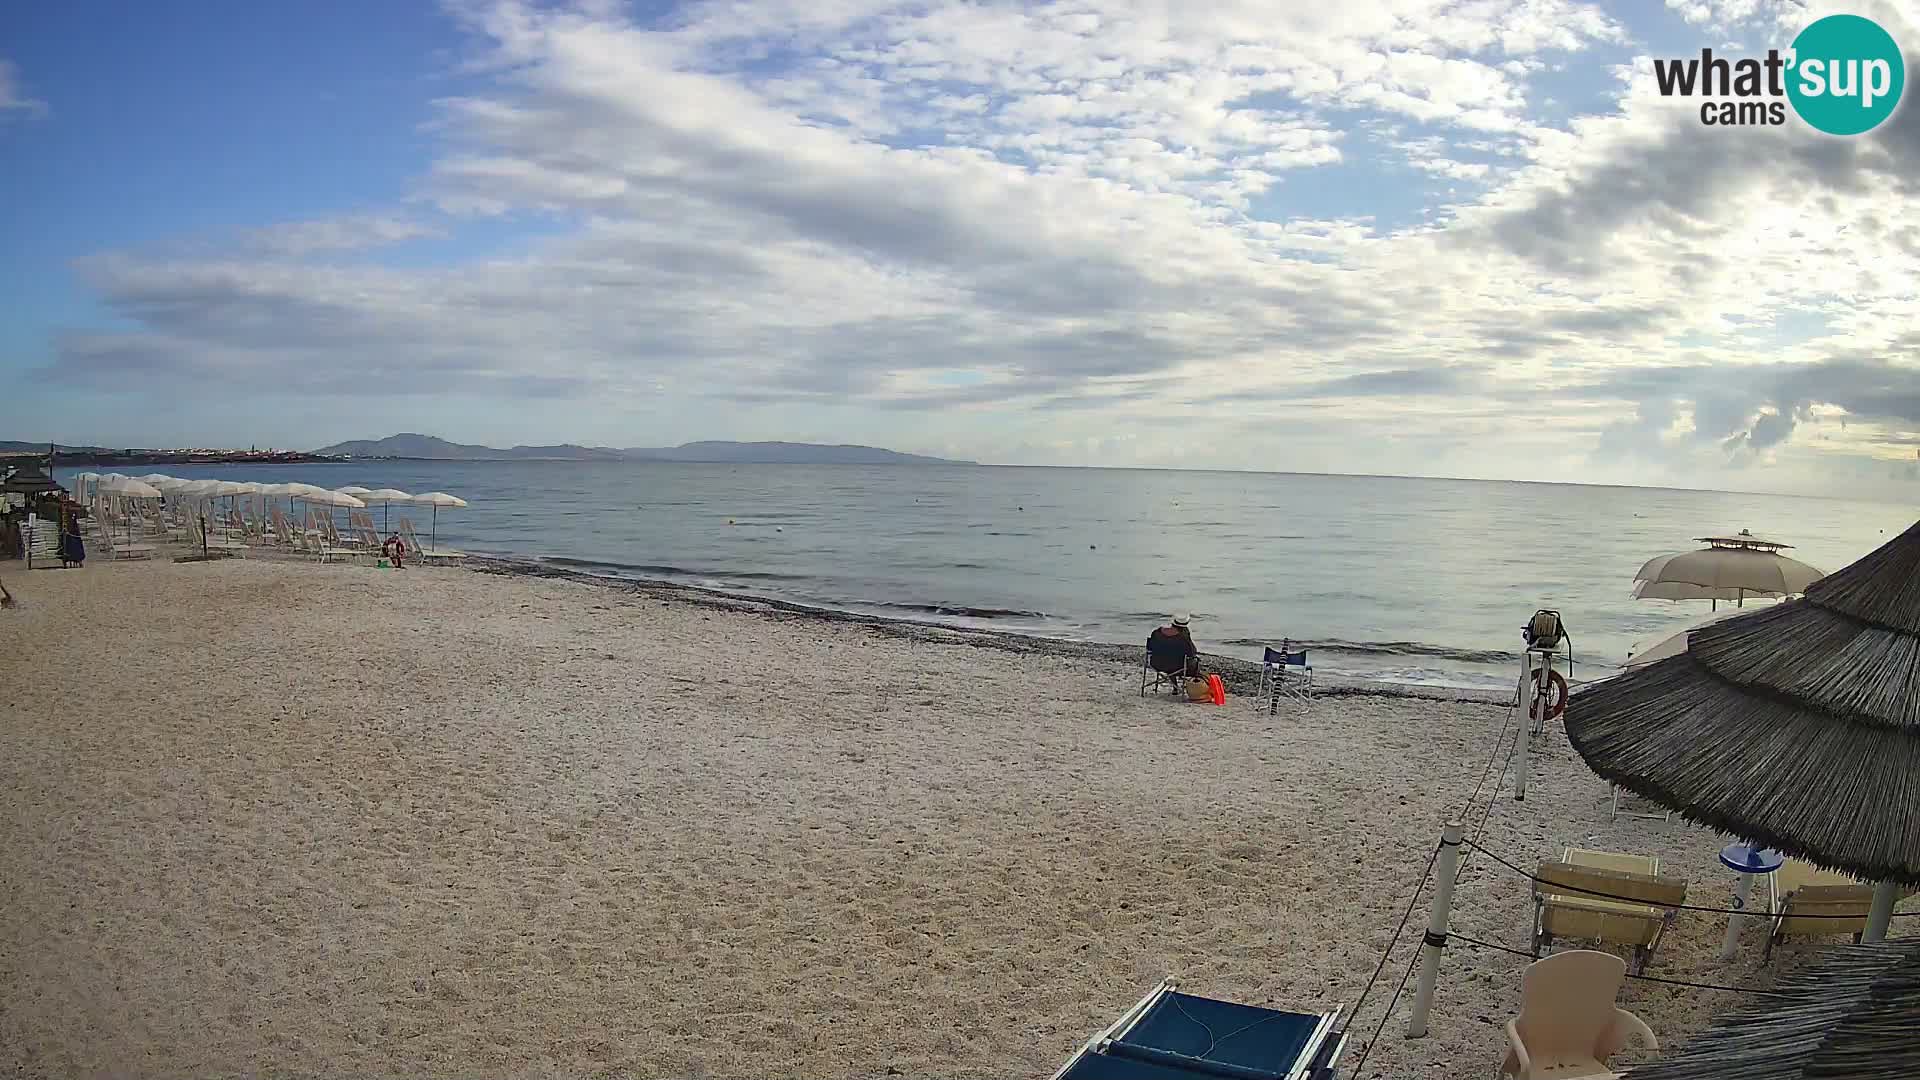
(1168, 1035)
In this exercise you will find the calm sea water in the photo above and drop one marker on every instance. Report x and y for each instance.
(1407, 580)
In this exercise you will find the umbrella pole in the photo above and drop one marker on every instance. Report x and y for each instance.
(433, 534)
(1881, 913)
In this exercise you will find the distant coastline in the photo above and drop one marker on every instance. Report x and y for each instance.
(100, 455)
(409, 446)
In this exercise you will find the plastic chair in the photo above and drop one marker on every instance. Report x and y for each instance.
(1568, 1024)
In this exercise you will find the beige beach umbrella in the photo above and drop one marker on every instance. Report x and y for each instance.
(385, 497)
(1728, 568)
(437, 499)
(324, 497)
(1673, 644)
(129, 488)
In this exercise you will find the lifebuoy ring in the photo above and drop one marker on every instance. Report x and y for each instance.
(1556, 692)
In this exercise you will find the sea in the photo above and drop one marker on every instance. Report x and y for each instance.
(1420, 581)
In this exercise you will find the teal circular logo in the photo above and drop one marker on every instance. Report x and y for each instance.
(1846, 76)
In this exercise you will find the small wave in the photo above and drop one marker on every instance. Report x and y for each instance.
(668, 571)
(961, 610)
(1390, 648)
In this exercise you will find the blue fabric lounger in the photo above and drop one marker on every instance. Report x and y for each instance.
(1168, 1035)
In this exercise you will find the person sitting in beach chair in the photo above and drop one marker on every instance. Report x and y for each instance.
(1172, 658)
(395, 549)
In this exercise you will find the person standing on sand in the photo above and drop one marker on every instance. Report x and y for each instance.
(1171, 649)
(73, 550)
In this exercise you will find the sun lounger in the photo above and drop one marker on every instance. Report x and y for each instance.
(1568, 1024)
(1798, 890)
(423, 552)
(1564, 905)
(1168, 1035)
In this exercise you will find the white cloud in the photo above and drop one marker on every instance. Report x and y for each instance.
(353, 232)
(1093, 212)
(12, 96)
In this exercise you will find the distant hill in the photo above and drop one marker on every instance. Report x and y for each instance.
(784, 453)
(426, 447)
(429, 448)
(15, 446)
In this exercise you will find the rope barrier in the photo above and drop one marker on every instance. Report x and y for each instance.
(1559, 887)
(1711, 986)
(1455, 934)
(1630, 975)
(1498, 741)
(1394, 943)
(1385, 1016)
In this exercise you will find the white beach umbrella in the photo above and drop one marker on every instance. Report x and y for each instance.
(324, 497)
(1673, 644)
(154, 478)
(385, 496)
(128, 488)
(437, 499)
(1728, 568)
(354, 490)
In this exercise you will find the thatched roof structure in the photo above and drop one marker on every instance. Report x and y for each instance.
(1797, 726)
(29, 480)
(1854, 1015)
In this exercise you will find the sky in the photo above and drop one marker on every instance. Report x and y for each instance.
(1417, 237)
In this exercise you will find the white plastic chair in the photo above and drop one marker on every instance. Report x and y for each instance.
(1568, 1024)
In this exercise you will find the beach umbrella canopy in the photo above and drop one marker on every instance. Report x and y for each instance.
(438, 499)
(1728, 568)
(354, 490)
(385, 497)
(323, 497)
(129, 488)
(1849, 1016)
(1673, 644)
(1797, 726)
(154, 478)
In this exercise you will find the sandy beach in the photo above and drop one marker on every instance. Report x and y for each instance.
(277, 818)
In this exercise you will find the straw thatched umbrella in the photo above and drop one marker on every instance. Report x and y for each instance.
(1850, 1016)
(1797, 725)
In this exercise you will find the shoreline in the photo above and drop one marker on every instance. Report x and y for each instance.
(1241, 676)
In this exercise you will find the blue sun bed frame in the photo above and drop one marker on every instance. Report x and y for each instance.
(1168, 1035)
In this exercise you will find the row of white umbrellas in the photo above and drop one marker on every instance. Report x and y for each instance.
(158, 485)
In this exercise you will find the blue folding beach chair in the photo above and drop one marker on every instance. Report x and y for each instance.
(1284, 672)
(1168, 1035)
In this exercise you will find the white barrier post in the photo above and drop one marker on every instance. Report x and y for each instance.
(1880, 915)
(1525, 734)
(1447, 868)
